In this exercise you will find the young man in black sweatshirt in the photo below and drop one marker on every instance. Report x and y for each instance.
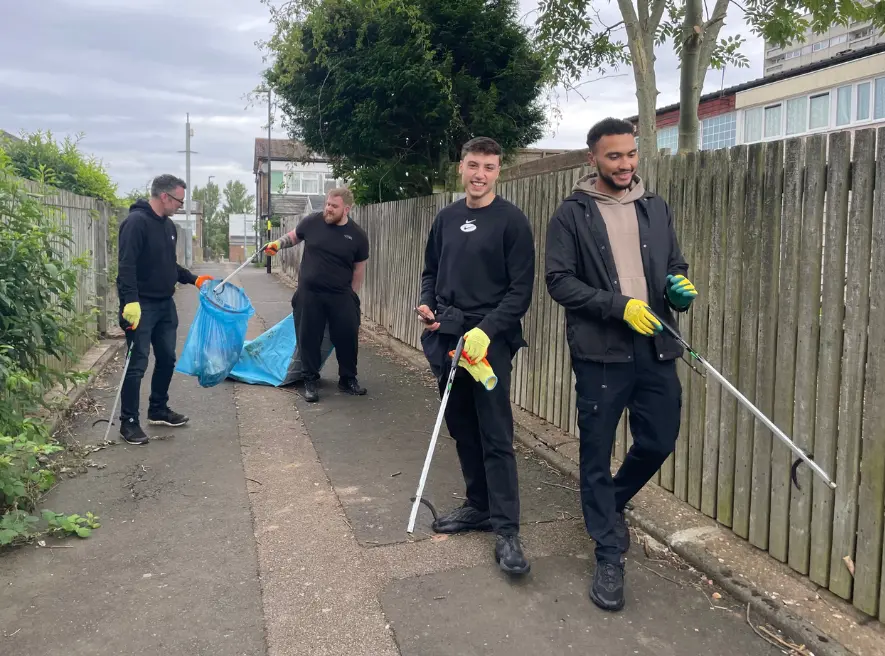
(477, 282)
(146, 279)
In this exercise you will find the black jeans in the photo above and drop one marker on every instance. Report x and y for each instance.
(158, 328)
(481, 423)
(342, 312)
(652, 393)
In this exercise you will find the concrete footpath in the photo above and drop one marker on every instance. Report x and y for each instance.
(271, 526)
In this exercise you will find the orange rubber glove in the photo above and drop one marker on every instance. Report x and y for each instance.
(202, 279)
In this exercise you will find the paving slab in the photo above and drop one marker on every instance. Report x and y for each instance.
(479, 611)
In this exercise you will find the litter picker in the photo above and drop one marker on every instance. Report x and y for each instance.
(801, 455)
(110, 419)
(218, 287)
(439, 417)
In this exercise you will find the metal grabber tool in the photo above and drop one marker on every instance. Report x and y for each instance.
(218, 287)
(802, 456)
(110, 419)
(439, 418)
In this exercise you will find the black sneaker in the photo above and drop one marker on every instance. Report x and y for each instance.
(509, 556)
(131, 433)
(351, 386)
(311, 395)
(623, 533)
(607, 590)
(166, 417)
(465, 518)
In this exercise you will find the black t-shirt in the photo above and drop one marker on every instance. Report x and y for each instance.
(481, 261)
(330, 252)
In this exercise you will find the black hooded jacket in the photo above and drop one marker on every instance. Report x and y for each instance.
(148, 268)
(581, 276)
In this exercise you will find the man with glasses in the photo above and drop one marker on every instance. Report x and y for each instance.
(146, 279)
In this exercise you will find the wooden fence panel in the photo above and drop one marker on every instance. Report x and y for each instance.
(829, 369)
(731, 332)
(857, 522)
(811, 244)
(715, 287)
(772, 202)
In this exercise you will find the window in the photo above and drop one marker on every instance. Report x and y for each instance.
(819, 116)
(843, 106)
(820, 45)
(797, 115)
(718, 131)
(836, 40)
(276, 182)
(879, 99)
(793, 54)
(773, 121)
(329, 184)
(753, 125)
(310, 183)
(862, 113)
(669, 138)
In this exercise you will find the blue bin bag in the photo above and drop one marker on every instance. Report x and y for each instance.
(216, 336)
(273, 358)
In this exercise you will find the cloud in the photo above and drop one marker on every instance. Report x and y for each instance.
(127, 74)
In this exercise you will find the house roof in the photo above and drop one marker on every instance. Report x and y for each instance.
(283, 150)
(842, 58)
(288, 204)
(6, 135)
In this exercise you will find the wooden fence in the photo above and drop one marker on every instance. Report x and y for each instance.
(88, 221)
(786, 244)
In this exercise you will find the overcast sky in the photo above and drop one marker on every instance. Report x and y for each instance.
(126, 72)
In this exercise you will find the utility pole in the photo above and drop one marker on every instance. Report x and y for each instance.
(189, 243)
(269, 119)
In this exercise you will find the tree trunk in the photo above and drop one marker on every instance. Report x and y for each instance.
(640, 39)
(691, 81)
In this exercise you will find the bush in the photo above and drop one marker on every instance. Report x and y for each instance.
(38, 323)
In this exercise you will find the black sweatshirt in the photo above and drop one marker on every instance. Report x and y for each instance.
(481, 261)
(148, 268)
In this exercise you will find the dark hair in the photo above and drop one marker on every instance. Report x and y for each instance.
(481, 146)
(608, 127)
(163, 184)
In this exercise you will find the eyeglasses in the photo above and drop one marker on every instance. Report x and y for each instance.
(180, 200)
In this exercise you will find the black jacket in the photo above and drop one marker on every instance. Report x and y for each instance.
(148, 268)
(582, 277)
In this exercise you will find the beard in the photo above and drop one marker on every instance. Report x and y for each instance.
(610, 180)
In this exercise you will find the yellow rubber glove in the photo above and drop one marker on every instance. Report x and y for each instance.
(272, 247)
(132, 314)
(476, 345)
(640, 319)
(482, 371)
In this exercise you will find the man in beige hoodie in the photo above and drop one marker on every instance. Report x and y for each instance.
(612, 254)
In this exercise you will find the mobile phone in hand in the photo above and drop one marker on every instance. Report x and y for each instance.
(427, 321)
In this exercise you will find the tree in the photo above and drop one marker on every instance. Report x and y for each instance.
(237, 199)
(215, 223)
(390, 90)
(576, 40)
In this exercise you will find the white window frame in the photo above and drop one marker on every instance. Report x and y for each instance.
(832, 115)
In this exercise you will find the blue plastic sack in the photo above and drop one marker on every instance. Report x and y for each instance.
(216, 336)
(273, 357)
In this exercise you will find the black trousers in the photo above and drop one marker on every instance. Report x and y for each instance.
(157, 328)
(481, 423)
(652, 393)
(342, 312)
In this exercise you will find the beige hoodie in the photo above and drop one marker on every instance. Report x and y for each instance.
(622, 226)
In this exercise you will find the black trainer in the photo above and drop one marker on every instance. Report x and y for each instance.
(509, 556)
(465, 518)
(351, 386)
(623, 533)
(131, 433)
(607, 590)
(311, 395)
(166, 417)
